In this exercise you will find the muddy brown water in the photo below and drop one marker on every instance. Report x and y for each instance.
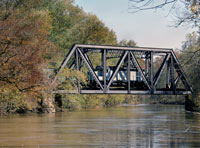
(141, 126)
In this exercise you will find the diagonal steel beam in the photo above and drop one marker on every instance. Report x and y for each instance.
(181, 73)
(160, 70)
(151, 72)
(104, 68)
(176, 82)
(72, 65)
(65, 61)
(146, 65)
(167, 75)
(89, 62)
(172, 73)
(81, 63)
(90, 68)
(135, 62)
(88, 59)
(117, 68)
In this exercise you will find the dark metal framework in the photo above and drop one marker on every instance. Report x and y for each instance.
(132, 56)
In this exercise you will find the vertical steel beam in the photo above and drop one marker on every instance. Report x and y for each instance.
(104, 70)
(167, 74)
(72, 65)
(81, 63)
(146, 64)
(128, 72)
(151, 73)
(176, 82)
(77, 68)
(172, 72)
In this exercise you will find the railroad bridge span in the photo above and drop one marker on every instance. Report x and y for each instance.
(125, 70)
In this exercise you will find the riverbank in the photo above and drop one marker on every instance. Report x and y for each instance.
(60, 103)
(165, 99)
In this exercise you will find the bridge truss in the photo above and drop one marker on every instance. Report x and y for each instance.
(158, 68)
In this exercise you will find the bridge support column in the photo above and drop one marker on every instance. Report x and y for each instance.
(48, 103)
(167, 75)
(128, 73)
(104, 70)
(172, 73)
(147, 65)
(151, 73)
(190, 104)
(77, 68)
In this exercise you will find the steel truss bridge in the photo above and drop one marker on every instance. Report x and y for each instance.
(159, 69)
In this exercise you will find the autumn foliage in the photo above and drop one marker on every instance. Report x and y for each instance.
(23, 44)
(34, 37)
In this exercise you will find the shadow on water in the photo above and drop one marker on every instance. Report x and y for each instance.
(143, 126)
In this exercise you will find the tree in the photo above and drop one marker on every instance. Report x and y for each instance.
(186, 11)
(190, 58)
(130, 43)
(23, 46)
(34, 38)
(70, 25)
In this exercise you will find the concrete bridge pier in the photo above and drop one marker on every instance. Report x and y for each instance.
(48, 105)
(191, 104)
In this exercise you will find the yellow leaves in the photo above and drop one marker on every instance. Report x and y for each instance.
(68, 79)
(193, 8)
(80, 76)
(45, 20)
(8, 38)
(4, 64)
(26, 42)
(24, 38)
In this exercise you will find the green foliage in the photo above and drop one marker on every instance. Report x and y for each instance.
(167, 99)
(93, 31)
(114, 100)
(70, 25)
(68, 79)
(129, 99)
(130, 43)
(77, 101)
(71, 102)
(190, 58)
(11, 100)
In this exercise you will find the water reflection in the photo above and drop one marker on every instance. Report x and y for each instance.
(150, 126)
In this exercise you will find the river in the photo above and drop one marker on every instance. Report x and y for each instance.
(141, 126)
